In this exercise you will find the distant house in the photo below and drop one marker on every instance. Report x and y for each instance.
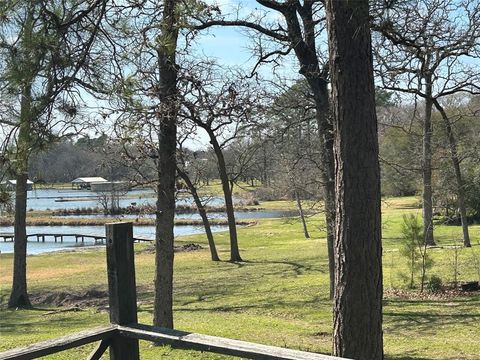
(11, 184)
(86, 182)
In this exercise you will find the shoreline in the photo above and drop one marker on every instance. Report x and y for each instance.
(55, 221)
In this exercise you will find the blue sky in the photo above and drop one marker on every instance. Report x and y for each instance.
(227, 45)
(230, 45)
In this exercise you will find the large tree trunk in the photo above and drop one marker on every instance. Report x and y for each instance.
(357, 309)
(163, 309)
(227, 193)
(458, 174)
(202, 212)
(427, 198)
(19, 297)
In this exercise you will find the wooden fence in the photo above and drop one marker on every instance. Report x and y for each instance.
(124, 332)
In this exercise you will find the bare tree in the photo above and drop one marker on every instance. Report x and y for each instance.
(296, 28)
(185, 164)
(222, 107)
(292, 128)
(423, 50)
(455, 158)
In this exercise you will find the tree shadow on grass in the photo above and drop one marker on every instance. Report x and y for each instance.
(12, 322)
(205, 295)
(405, 357)
(216, 306)
(426, 321)
(204, 303)
(297, 268)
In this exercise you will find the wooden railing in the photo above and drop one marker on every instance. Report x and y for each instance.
(124, 332)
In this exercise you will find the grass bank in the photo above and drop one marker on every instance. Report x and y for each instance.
(278, 296)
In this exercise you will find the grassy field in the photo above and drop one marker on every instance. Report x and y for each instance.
(278, 296)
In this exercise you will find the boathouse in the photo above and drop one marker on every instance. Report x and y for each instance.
(11, 184)
(86, 182)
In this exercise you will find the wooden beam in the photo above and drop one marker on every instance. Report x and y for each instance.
(97, 353)
(186, 340)
(121, 287)
(63, 343)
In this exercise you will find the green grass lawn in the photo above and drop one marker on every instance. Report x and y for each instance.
(278, 296)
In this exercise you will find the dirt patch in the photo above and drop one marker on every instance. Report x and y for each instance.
(322, 334)
(188, 247)
(89, 298)
(177, 248)
(445, 294)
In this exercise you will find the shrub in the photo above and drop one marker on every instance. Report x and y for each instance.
(435, 284)
(6, 200)
(414, 249)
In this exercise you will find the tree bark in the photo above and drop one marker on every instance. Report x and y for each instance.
(202, 212)
(166, 166)
(427, 198)
(357, 312)
(458, 174)
(227, 193)
(19, 296)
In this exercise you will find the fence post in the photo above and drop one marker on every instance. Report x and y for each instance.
(121, 287)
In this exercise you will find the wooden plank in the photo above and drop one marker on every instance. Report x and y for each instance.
(186, 340)
(63, 343)
(97, 353)
(121, 287)
(140, 239)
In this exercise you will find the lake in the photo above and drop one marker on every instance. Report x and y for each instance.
(69, 243)
(54, 199)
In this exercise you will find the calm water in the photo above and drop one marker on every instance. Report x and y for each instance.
(70, 199)
(54, 199)
(69, 242)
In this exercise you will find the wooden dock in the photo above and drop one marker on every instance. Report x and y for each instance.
(79, 238)
(7, 236)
